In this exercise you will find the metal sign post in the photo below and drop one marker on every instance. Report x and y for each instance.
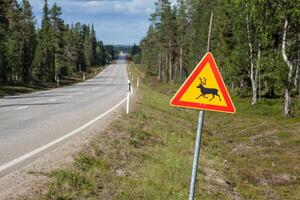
(195, 95)
(188, 97)
(196, 155)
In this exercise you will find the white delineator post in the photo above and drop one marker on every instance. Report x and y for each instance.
(83, 76)
(137, 82)
(128, 95)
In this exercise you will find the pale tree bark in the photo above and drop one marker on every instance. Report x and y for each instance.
(209, 30)
(257, 69)
(170, 62)
(253, 72)
(219, 52)
(259, 87)
(297, 75)
(166, 67)
(160, 67)
(232, 85)
(180, 63)
(288, 87)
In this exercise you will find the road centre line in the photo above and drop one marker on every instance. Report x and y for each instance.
(22, 107)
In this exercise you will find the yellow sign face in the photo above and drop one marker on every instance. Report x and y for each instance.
(204, 89)
(210, 85)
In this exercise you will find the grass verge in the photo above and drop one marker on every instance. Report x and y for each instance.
(148, 155)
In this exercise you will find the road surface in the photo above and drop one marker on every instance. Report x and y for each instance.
(30, 123)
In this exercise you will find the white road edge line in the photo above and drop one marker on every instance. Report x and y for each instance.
(42, 148)
(52, 100)
(21, 108)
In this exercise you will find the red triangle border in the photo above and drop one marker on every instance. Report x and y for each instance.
(208, 58)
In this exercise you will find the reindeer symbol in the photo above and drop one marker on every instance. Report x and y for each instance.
(204, 91)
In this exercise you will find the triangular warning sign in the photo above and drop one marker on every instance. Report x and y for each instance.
(204, 89)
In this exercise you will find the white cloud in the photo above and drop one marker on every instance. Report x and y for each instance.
(116, 21)
(94, 6)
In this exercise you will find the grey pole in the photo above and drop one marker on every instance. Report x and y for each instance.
(196, 155)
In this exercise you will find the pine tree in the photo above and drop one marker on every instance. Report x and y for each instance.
(110, 53)
(28, 40)
(44, 57)
(4, 23)
(88, 50)
(152, 53)
(87, 46)
(182, 25)
(57, 31)
(94, 45)
(100, 54)
(70, 51)
(14, 42)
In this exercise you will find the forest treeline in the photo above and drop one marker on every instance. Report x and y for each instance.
(31, 53)
(256, 44)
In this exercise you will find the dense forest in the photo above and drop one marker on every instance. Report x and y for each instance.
(31, 53)
(256, 44)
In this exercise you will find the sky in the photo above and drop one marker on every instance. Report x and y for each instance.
(116, 21)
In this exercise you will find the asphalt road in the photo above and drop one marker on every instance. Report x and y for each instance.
(29, 122)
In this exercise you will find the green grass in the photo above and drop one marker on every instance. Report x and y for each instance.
(23, 88)
(253, 154)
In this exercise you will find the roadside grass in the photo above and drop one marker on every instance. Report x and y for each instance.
(146, 155)
(253, 154)
(23, 88)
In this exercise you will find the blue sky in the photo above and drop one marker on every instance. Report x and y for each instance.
(115, 21)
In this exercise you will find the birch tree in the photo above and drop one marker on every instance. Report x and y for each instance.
(289, 18)
(288, 86)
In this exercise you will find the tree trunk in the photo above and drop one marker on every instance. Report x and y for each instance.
(252, 73)
(297, 76)
(232, 85)
(298, 64)
(259, 88)
(257, 71)
(180, 63)
(288, 87)
(160, 67)
(219, 52)
(175, 76)
(170, 62)
(166, 69)
(209, 30)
